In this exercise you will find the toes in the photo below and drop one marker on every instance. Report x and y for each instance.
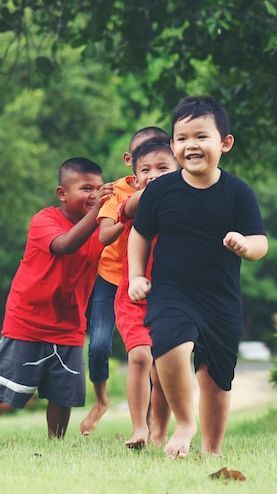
(139, 444)
(182, 452)
(176, 452)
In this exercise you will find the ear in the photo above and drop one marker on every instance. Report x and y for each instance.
(136, 182)
(61, 194)
(227, 143)
(172, 147)
(127, 157)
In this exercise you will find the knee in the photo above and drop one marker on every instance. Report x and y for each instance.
(205, 381)
(100, 347)
(140, 357)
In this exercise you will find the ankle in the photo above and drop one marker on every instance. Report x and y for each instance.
(102, 403)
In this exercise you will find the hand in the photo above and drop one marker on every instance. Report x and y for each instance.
(237, 243)
(139, 288)
(105, 192)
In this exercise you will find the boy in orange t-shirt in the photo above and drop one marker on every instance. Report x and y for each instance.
(102, 319)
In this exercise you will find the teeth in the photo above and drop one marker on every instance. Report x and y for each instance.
(191, 156)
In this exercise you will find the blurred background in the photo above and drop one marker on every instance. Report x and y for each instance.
(79, 77)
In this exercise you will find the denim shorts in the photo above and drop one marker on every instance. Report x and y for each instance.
(101, 329)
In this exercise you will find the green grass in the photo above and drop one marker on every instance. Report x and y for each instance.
(100, 464)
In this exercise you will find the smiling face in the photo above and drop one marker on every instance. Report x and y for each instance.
(78, 193)
(141, 137)
(154, 164)
(198, 146)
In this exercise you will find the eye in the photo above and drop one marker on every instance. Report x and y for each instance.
(202, 136)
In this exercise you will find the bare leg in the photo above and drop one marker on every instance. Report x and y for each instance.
(160, 411)
(138, 392)
(91, 420)
(174, 371)
(214, 408)
(57, 420)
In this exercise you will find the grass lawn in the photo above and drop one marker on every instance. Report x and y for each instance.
(100, 464)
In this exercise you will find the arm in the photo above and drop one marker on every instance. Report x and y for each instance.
(138, 253)
(69, 242)
(109, 230)
(132, 203)
(249, 247)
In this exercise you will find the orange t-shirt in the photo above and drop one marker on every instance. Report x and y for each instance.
(110, 264)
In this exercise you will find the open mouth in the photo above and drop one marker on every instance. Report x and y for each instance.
(194, 156)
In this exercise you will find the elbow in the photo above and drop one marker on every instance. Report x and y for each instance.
(104, 240)
(62, 250)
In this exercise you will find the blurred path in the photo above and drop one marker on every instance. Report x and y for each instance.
(251, 386)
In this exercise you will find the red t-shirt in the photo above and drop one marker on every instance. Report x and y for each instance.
(49, 293)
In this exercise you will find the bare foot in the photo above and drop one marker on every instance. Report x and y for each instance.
(139, 439)
(88, 425)
(179, 444)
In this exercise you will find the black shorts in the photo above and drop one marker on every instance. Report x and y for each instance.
(172, 322)
(56, 371)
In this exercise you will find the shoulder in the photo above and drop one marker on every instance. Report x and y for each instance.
(163, 183)
(50, 212)
(124, 183)
(237, 188)
(235, 182)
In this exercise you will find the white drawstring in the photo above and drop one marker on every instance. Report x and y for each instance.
(52, 355)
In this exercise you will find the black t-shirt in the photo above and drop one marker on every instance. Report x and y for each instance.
(190, 256)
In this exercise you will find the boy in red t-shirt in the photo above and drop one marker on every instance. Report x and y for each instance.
(44, 325)
(150, 160)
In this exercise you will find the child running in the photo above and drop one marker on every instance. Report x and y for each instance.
(44, 326)
(102, 319)
(150, 160)
(207, 220)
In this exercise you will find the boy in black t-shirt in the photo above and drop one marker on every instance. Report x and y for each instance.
(206, 221)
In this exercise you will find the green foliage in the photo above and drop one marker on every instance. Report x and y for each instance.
(163, 44)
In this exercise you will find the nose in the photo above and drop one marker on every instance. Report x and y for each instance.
(191, 144)
(93, 193)
(153, 176)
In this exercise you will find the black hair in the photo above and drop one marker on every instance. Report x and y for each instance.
(79, 165)
(154, 132)
(197, 106)
(150, 146)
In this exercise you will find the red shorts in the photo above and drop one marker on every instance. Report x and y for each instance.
(130, 320)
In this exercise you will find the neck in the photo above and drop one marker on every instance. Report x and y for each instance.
(71, 217)
(201, 181)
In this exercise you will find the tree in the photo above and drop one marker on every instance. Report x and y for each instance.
(164, 43)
